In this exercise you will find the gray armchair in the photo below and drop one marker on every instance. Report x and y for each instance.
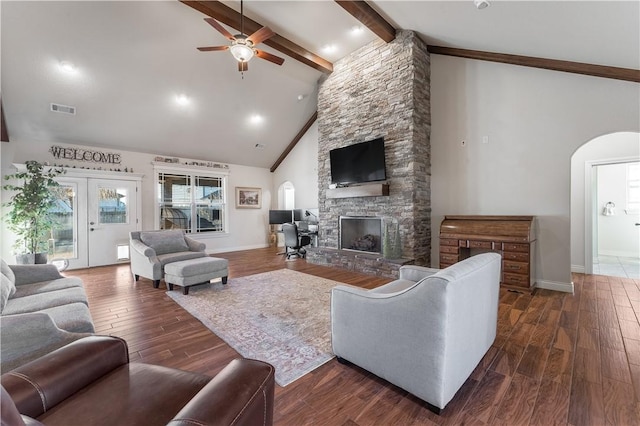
(426, 331)
(151, 250)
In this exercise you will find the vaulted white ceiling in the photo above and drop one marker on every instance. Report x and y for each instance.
(133, 58)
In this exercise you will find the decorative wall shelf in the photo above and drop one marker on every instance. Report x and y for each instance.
(367, 190)
(89, 173)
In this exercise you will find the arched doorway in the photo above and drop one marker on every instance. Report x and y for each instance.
(286, 196)
(602, 171)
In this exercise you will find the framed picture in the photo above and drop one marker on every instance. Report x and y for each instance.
(248, 198)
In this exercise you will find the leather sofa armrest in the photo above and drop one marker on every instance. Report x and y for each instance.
(38, 386)
(142, 248)
(195, 245)
(27, 274)
(241, 394)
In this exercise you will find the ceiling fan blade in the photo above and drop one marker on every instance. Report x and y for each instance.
(212, 48)
(261, 35)
(215, 24)
(243, 66)
(269, 57)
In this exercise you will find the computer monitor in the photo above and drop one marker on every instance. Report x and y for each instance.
(278, 217)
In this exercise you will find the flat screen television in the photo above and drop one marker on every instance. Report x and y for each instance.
(358, 163)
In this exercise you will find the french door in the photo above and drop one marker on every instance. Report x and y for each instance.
(95, 217)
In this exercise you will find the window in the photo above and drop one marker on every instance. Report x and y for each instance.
(633, 187)
(193, 201)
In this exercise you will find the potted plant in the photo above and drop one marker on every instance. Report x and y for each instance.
(30, 216)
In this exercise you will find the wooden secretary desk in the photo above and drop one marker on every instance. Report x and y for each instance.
(513, 237)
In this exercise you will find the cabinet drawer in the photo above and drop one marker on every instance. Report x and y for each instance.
(448, 242)
(448, 258)
(518, 257)
(480, 244)
(520, 268)
(524, 248)
(515, 279)
(449, 249)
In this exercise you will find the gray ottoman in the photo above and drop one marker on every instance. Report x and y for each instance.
(195, 271)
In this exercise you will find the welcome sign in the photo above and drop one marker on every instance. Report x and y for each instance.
(79, 154)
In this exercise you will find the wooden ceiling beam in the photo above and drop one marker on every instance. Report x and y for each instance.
(626, 74)
(295, 141)
(4, 133)
(230, 17)
(369, 18)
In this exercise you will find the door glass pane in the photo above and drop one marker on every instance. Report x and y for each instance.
(112, 205)
(64, 230)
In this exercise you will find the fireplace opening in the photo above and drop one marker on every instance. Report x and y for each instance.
(361, 234)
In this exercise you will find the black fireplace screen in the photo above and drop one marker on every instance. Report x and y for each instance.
(361, 234)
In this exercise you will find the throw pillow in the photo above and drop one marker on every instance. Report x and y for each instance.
(163, 242)
(5, 291)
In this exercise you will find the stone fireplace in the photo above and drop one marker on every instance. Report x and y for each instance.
(361, 234)
(381, 90)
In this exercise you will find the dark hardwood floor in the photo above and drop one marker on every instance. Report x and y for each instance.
(558, 358)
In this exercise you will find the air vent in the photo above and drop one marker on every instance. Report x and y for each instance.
(63, 109)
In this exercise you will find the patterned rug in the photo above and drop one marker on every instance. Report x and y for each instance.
(281, 317)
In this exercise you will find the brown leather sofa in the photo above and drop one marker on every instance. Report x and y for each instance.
(91, 382)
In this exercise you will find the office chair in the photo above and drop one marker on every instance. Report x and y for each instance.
(294, 243)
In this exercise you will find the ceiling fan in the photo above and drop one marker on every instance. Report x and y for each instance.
(242, 47)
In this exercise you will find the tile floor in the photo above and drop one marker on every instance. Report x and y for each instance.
(626, 267)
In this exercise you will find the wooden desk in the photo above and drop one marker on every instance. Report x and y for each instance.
(513, 237)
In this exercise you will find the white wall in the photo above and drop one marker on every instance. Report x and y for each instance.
(534, 119)
(300, 168)
(248, 228)
(617, 234)
(603, 149)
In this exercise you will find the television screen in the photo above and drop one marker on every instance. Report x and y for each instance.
(361, 162)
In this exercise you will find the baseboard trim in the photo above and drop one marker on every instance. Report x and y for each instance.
(555, 285)
(615, 253)
(578, 269)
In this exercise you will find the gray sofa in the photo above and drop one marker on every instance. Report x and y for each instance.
(40, 311)
(151, 250)
(424, 332)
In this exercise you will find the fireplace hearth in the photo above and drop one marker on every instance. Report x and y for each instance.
(361, 234)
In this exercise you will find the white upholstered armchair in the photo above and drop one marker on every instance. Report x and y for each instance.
(426, 331)
(151, 250)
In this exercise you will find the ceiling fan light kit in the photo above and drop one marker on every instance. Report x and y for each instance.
(243, 47)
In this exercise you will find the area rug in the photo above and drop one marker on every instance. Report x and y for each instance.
(281, 317)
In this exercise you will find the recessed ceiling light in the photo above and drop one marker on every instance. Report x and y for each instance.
(329, 48)
(301, 97)
(256, 119)
(182, 99)
(67, 67)
(357, 30)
